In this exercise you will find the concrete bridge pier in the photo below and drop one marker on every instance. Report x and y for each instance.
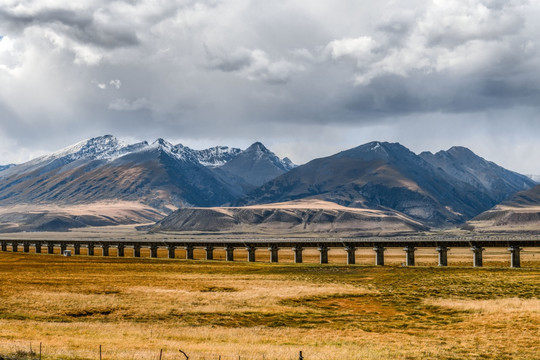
(251, 253)
(515, 260)
(379, 255)
(209, 252)
(229, 253)
(409, 255)
(323, 249)
(26, 246)
(137, 250)
(38, 247)
(297, 254)
(14, 246)
(121, 250)
(443, 255)
(189, 252)
(153, 251)
(105, 249)
(172, 251)
(477, 255)
(4, 245)
(91, 249)
(273, 253)
(50, 248)
(63, 248)
(77, 249)
(351, 254)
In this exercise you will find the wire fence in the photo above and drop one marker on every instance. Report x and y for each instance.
(39, 353)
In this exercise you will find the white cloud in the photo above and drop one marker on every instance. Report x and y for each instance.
(357, 48)
(116, 83)
(253, 65)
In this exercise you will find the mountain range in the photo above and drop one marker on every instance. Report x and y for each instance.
(446, 188)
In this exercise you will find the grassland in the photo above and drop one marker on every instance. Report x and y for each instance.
(135, 307)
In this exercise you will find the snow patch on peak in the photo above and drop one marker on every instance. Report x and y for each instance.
(376, 146)
(5, 167)
(179, 152)
(98, 148)
(288, 164)
(216, 156)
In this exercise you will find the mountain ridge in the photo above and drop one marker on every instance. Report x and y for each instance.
(384, 175)
(441, 189)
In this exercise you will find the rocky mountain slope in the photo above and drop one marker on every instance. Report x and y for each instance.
(251, 168)
(382, 175)
(462, 165)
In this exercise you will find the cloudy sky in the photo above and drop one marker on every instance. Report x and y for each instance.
(306, 78)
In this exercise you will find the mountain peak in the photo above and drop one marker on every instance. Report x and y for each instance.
(96, 148)
(376, 150)
(257, 146)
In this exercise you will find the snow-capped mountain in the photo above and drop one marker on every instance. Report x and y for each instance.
(216, 156)
(159, 174)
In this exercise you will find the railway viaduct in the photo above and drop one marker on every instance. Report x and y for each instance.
(476, 244)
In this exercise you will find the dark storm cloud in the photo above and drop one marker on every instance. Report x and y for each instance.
(309, 79)
(78, 25)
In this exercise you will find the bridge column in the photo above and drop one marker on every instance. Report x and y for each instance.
(14, 246)
(251, 253)
(153, 250)
(105, 249)
(409, 255)
(136, 250)
(4, 245)
(209, 252)
(443, 255)
(172, 251)
(77, 249)
(229, 253)
(379, 255)
(273, 253)
(323, 249)
(121, 250)
(189, 252)
(38, 247)
(26, 246)
(298, 253)
(91, 249)
(351, 254)
(515, 260)
(50, 248)
(63, 248)
(477, 255)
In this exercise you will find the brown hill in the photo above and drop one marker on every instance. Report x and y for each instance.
(48, 217)
(295, 217)
(520, 213)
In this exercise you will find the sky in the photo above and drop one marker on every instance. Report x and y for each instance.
(306, 78)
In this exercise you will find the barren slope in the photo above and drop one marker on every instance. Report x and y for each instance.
(306, 216)
(48, 217)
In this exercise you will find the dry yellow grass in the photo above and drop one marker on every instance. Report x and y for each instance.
(135, 307)
(511, 305)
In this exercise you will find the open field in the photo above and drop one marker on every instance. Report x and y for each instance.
(135, 307)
